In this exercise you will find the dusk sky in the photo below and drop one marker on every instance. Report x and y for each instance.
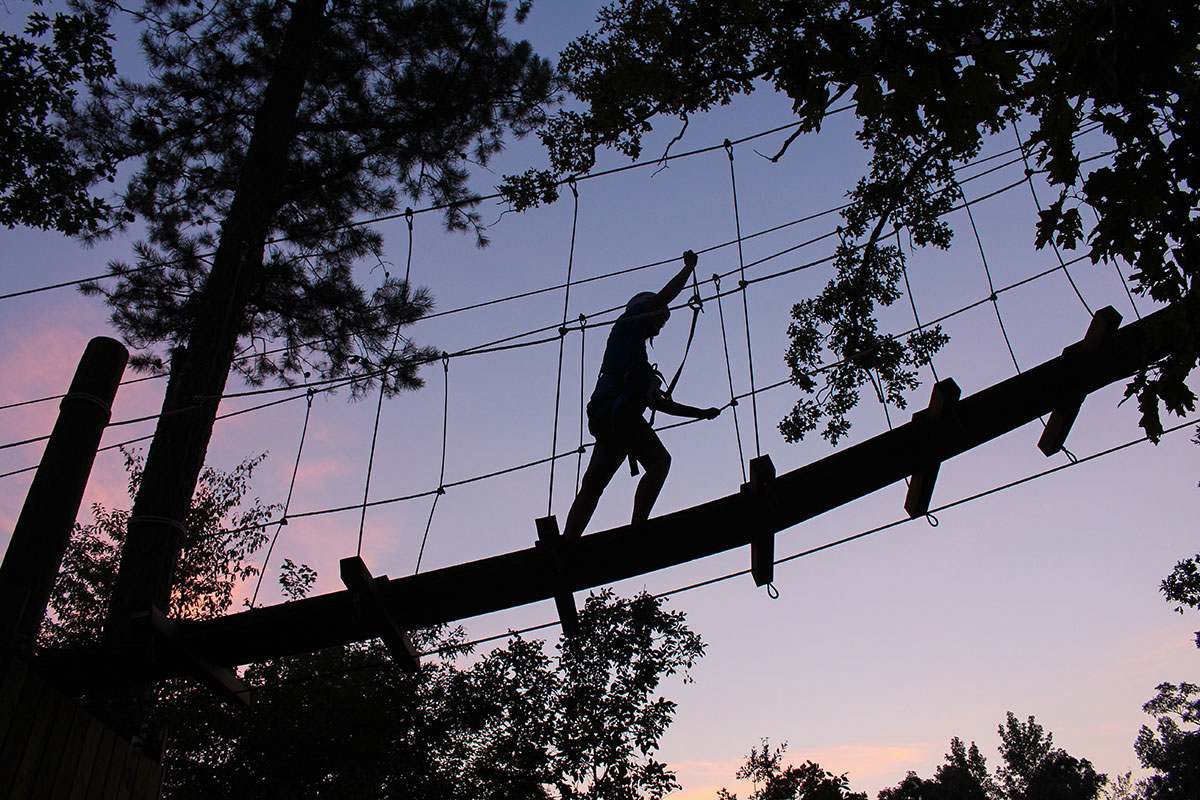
(1041, 599)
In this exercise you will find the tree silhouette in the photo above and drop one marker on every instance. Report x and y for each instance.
(1172, 747)
(773, 781)
(517, 722)
(927, 81)
(263, 131)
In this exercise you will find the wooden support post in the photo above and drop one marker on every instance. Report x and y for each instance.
(942, 400)
(43, 529)
(371, 606)
(550, 542)
(1103, 325)
(164, 633)
(761, 491)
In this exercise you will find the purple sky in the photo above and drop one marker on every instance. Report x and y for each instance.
(1041, 599)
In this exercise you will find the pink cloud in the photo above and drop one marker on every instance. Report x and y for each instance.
(313, 472)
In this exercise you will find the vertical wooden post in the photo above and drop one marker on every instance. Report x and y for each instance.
(551, 543)
(942, 400)
(760, 489)
(44, 527)
(1103, 325)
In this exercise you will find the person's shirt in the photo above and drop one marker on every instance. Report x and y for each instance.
(625, 369)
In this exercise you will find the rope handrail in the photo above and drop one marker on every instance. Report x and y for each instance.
(670, 426)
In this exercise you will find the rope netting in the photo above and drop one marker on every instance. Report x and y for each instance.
(599, 319)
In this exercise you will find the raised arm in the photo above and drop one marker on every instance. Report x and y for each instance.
(668, 293)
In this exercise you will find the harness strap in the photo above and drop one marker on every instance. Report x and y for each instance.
(696, 304)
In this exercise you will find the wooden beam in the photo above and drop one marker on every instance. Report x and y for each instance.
(372, 609)
(1054, 436)
(763, 502)
(164, 633)
(936, 420)
(517, 578)
(555, 557)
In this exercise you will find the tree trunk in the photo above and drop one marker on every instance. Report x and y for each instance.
(199, 370)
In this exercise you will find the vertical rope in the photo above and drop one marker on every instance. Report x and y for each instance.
(283, 520)
(733, 403)
(1036, 202)
(745, 304)
(441, 490)
(362, 517)
(582, 409)
(877, 385)
(912, 301)
(995, 300)
(562, 337)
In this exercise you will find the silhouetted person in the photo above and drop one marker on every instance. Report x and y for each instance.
(627, 386)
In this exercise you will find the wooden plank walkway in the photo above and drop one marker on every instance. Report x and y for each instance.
(525, 576)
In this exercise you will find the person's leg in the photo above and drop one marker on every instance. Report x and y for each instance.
(656, 462)
(606, 458)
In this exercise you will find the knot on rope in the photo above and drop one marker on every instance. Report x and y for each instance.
(283, 521)
(993, 297)
(772, 592)
(571, 184)
(932, 520)
(733, 403)
(716, 279)
(563, 331)
(1028, 172)
(408, 217)
(582, 449)
(440, 490)
(583, 320)
(445, 361)
(742, 283)
(310, 394)
(696, 303)
(728, 145)
(1074, 459)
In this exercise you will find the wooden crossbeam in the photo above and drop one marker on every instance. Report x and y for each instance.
(556, 559)
(517, 578)
(365, 590)
(761, 491)
(172, 649)
(1054, 436)
(935, 419)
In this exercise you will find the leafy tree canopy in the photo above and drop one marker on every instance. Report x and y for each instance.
(773, 781)
(44, 176)
(928, 80)
(223, 533)
(1172, 747)
(399, 100)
